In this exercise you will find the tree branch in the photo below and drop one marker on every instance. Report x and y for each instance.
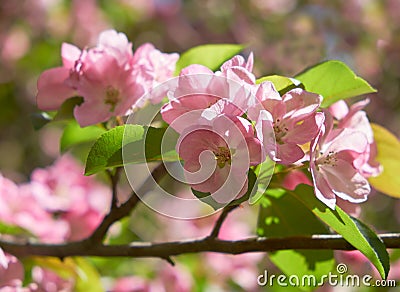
(165, 250)
(118, 212)
(218, 224)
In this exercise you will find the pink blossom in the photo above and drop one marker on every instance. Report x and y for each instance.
(356, 119)
(217, 155)
(292, 117)
(53, 89)
(102, 75)
(199, 89)
(334, 154)
(239, 70)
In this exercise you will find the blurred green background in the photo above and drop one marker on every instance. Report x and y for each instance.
(286, 37)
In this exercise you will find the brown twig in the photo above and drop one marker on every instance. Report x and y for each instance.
(118, 212)
(218, 224)
(168, 249)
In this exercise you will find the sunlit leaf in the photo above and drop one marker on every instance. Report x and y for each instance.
(282, 84)
(74, 135)
(128, 144)
(355, 232)
(334, 80)
(388, 156)
(88, 278)
(282, 215)
(12, 229)
(211, 55)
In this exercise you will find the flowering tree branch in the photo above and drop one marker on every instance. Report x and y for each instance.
(207, 244)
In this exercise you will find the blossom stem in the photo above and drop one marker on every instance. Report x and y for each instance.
(217, 227)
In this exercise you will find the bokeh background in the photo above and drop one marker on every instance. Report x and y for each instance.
(286, 37)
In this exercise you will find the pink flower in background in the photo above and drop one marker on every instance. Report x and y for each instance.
(60, 203)
(294, 178)
(333, 156)
(217, 155)
(49, 281)
(131, 284)
(11, 271)
(78, 200)
(153, 66)
(168, 279)
(292, 117)
(30, 215)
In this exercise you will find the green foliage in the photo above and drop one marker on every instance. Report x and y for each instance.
(334, 80)
(355, 232)
(74, 135)
(388, 156)
(88, 279)
(81, 271)
(282, 215)
(12, 229)
(208, 199)
(128, 144)
(282, 84)
(39, 120)
(66, 111)
(211, 56)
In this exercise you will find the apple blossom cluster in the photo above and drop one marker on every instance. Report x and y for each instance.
(58, 204)
(109, 77)
(228, 123)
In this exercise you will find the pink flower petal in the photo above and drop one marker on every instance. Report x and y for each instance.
(52, 90)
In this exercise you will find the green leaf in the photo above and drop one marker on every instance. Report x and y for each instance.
(39, 120)
(211, 56)
(209, 200)
(282, 84)
(334, 80)
(282, 215)
(352, 230)
(66, 111)
(388, 156)
(264, 172)
(128, 144)
(12, 229)
(74, 135)
(88, 279)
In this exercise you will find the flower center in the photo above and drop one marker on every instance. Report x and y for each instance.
(280, 130)
(223, 155)
(328, 159)
(112, 97)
